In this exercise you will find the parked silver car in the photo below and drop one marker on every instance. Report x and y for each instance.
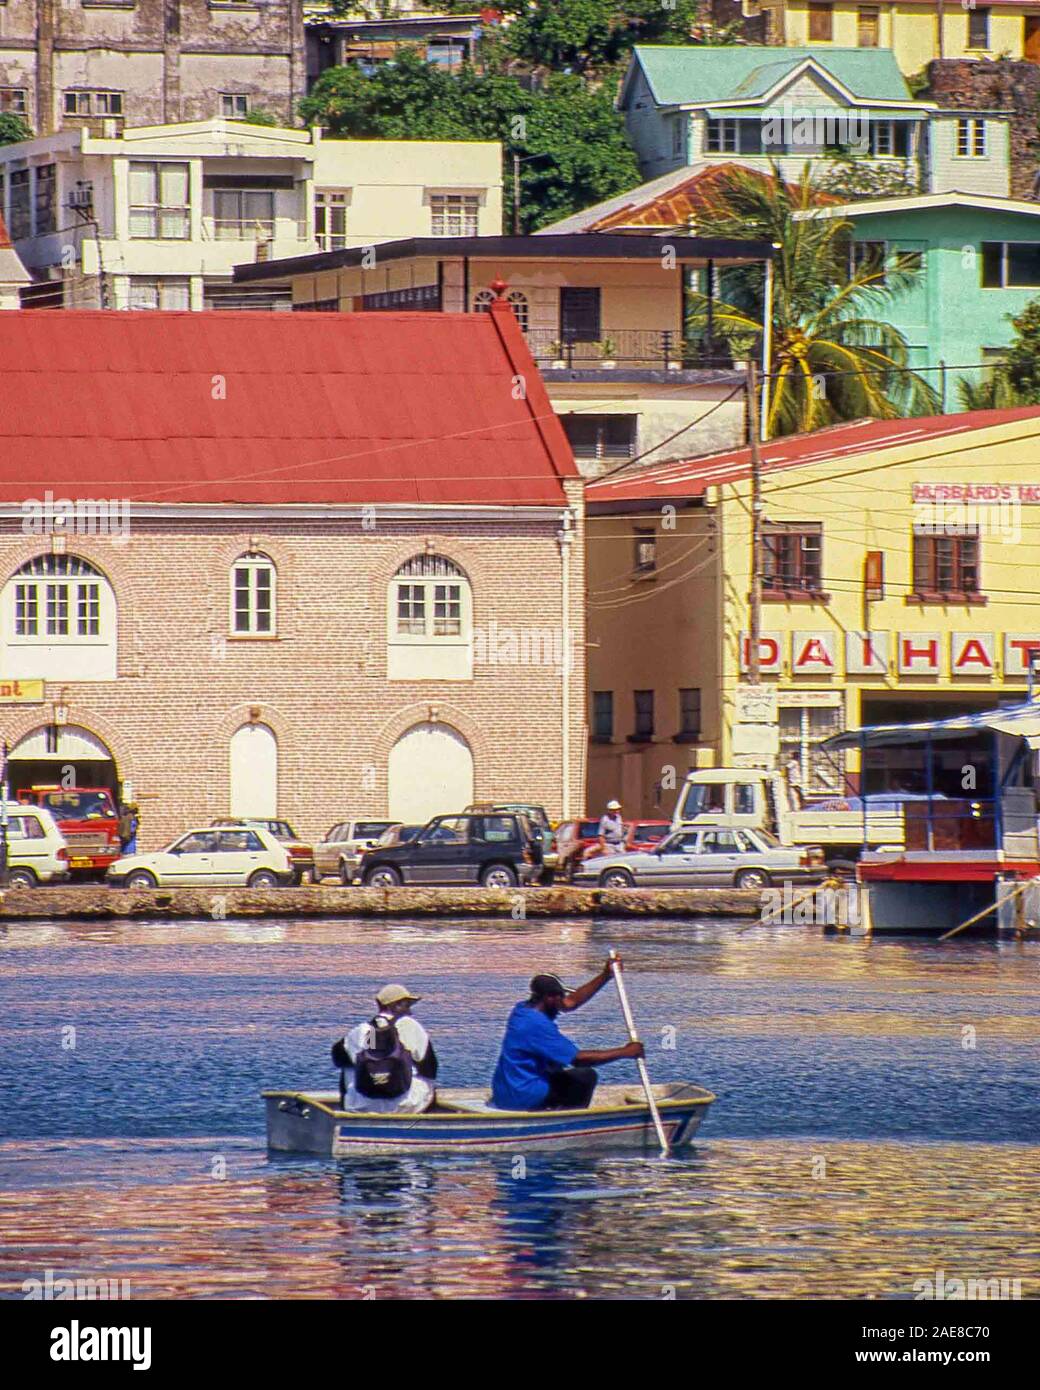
(340, 851)
(701, 858)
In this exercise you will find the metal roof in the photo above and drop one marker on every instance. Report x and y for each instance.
(690, 478)
(270, 408)
(1022, 720)
(688, 250)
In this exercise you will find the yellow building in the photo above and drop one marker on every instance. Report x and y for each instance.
(916, 32)
(898, 577)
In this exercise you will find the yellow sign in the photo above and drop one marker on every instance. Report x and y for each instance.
(21, 692)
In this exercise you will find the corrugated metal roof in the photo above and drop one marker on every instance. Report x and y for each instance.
(275, 408)
(687, 478)
(703, 74)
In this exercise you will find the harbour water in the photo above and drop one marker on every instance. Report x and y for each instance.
(877, 1127)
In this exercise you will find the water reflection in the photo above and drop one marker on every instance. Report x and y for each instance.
(734, 1220)
(879, 1107)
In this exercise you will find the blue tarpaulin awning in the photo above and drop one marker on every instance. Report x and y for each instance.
(1023, 720)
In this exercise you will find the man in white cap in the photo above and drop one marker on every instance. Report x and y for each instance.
(612, 831)
(391, 1059)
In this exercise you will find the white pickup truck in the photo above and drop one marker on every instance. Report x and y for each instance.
(739, 797)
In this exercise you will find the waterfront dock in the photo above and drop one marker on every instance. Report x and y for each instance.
(80, 902)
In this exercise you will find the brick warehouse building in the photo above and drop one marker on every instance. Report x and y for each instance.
(306, 565)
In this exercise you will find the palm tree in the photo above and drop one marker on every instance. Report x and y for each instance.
(833, 358)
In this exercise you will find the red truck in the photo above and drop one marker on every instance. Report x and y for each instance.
(89, 820)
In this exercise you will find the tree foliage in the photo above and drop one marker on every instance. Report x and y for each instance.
(570, 140)
(13, 128)
(586, 35)
(834, 356)
(1016, 380)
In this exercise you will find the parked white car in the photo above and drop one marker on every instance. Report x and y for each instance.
(218, 856)
(36, 848)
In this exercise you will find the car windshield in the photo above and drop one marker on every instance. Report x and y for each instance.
(371, 829)
(71, 805)
(280, 829)
(702, 797)
(649, 832)
(763, 837)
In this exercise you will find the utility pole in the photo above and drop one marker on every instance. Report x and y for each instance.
(516, 194)
(755, 593)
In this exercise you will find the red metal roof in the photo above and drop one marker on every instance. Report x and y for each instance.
(691, 477)
(275, 408)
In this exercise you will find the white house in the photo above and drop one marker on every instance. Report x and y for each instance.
(157, 216)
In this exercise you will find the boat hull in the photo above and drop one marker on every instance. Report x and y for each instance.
(310, 1122)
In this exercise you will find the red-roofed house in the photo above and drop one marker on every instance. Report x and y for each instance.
(898, 584)
(302, 565)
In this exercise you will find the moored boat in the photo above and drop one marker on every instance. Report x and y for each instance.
(463, 1120)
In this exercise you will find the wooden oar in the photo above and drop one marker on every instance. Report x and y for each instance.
(644, 1075)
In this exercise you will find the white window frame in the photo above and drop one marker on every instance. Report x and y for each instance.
(430, 591)
(327, 203)
(516, 299)
(160, 213)
(163, 285)
(725, 132)
(252, 566)
(58, 599)
(9, 99)
(971, 137)
(454, 214)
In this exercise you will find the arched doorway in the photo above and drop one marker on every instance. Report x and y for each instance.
(430, 773)
(254, 772)
(64, 755)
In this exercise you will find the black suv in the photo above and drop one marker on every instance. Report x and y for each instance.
(496, 849)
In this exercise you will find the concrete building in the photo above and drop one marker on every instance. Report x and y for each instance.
(65, 66)
(602, 316)
(301, 565)
(897, 585)
(754, 105)
(980, 265)
(158, 216)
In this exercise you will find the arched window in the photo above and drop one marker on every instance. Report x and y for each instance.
(253, 596)
(516, 299)
(429, 622)
(59, 620)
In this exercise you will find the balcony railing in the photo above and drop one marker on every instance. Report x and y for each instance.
(652, 349)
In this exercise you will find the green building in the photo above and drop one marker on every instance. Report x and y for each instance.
(980, 263)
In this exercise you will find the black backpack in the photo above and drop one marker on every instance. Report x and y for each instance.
(384, 1070)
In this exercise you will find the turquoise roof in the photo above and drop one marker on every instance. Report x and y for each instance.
(705, 74)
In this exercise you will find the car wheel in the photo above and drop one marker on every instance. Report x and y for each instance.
(346, 873)
(264, 878)
(616, 878)
(21, 878)
(753, 878)
(141, 878)
(547, 878)
(499, 876)
(383, 877)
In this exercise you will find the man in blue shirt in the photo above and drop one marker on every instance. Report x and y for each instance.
(540, 1069)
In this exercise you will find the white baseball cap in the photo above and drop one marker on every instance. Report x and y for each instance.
(613, 805)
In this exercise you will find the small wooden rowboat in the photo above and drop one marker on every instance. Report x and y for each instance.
(311, 1122)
